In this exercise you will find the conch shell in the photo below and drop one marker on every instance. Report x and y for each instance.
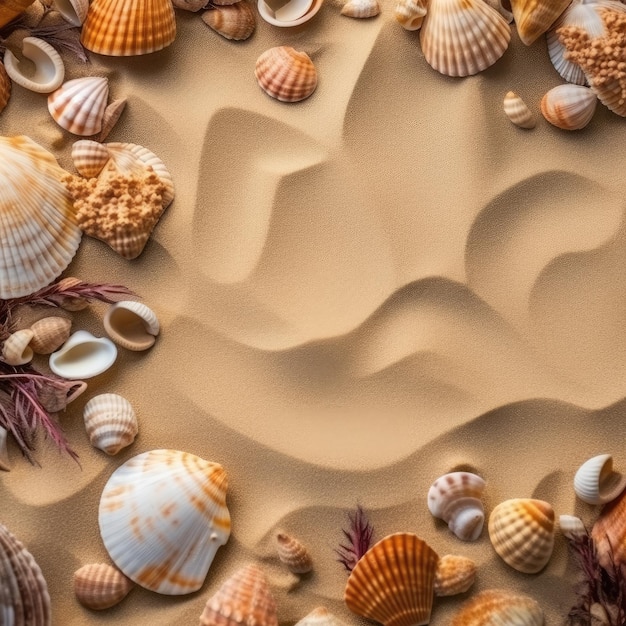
(534, 17)
(518, 112)
(233, 21)
(570, 107)
(286, 74)
(455, 574)
(595, 481)
(100, 586)
(495, 607)
(132, 325)
(110, 422)
(49, 67)
(410, 13)
(15, 350)
(49, 334)
(293, 554)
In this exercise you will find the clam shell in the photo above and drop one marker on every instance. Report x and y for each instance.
(517, 111)
(83, 356)
(455, 574)
(572, 526)
(410, 13)
(535, 17)
(110, 422)
(393, 583)
(71, 303)
(455, 498)
(234, 21)
(49, 334)
(320, 616)
(100, 586)
(49, 67)
(4, 453)
(361, 8)
(73, 11)
(244, 599)
(495, 607)
(162, 518)
(10, 9)
(15, 350)
(522, 533)
(89, 157)
(570, 107)
(293, 554)
(595, 481)
(463, 37)
(609, 533)
(286, 74)
(132, 325)
(78, 105)
(128, 27)
(38, 228)
(5, 87)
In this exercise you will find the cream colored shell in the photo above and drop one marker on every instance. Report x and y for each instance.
(233, 21)
(596, 482)
(410, 13)
(572, 527)
(454, 575)
(570, 107)
(49, 334)
(83, 356)
(100, 586)
(15, 350)
(132, 325)
(110, 422)
(78, 105)
(518, 112)
(293, 554)
(286, 74)
(361, 8)
(535, 17)
(495, 607)
(49, 68)
(320, 616)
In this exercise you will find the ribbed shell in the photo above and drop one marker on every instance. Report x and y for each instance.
(535, 17)
(595, 481)
(162, 518)
(410, 13)
(609, 532)
(89, 157)
(110, 422)
(293, 554)
(15, 349)
(455, 574)
(233, 21)
(286, 74)
(132, 325)
(49, 67)
(361, 8)
(463, 37)
(49, 334)
(128, 27)
(244, 599)
(518, 112)
(320, 616)
(24, 598)
(495, 607)
(522, 533)
(393, 583)
(110, 118)
(570, 107)
(100, 586)
(37, 225)
(5, 87)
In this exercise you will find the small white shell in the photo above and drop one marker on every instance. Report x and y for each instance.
(569, 107)
(572, 526)
(361, 8)
(73, 11)
(4, 454)
(132, 325)
(410, 13)
(83, 356)
(16, 350)
(49, 68)
(595, 481)
(110, 422)
(517, 111)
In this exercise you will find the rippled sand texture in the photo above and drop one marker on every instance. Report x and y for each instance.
(358, 293)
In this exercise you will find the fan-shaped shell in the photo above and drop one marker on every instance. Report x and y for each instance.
(361, 8)
(320, 616)
(393, 583)
(100, 586)
(595, 481)
(49, 334)
(572, 526)
(10, 9)
(132, 325)
(286, 74)
(83, 356)
(4, 453)
(233, 21)
(38, 230)
(410, 13)
(495, 607)
(73, 11)
(128, 27)
(89, 157)
(293, 554)
(534, 17)
(609, 533)
(570, 107)
(49, 67)
(463, 37)
(110, 422)
(15, 350)
(455, 574)
(518, 112)
(522, 533)
(5, 87)
(162, 518)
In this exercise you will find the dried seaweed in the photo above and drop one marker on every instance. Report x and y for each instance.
(358, 537)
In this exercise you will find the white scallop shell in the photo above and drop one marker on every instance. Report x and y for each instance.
(15, 350)
(73, 11)
(49, 67)
(595, 481)
(518, 112)
(320, 616)
(570, 107)
(132, 325)
(110, 422)
(83, 356)
(361, 8)
(162, 518)
(572, 526)
(4, 453)
(410, 13)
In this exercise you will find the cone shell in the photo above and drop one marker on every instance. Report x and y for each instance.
(410, 13)
(535, 17)
(393, 583)
(293, 554)
(595, 481)
(571, 526)
(110, 422)
(455, 574)
(49, 68)
(244, 599)
(517, 111)
(609, 533)
(570, 107)
(132, 325)
(361, 8)
(128, 27)
(233, 21)
(10, 9)
(320, 616)
(49, 334)
(5, 87)
(100, 586)
(286, 74)
(494, 607)
(463, 37)
(15, 350)
(163, 517)
(4, 454)
(522, 533)
(73, 11)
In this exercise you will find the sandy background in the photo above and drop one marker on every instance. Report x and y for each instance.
(358, 293)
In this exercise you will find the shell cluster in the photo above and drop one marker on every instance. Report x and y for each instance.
(286, 74)
(110, 422)
(43, 337)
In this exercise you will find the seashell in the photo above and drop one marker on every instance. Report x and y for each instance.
(10, 9)
(4, 453)
(495, 607)
(190, 5)
(49, 334)
(100, 586)
(56, 398)
(393, 582)
(110, 422)
(287, 10)
(244, 599)
(534, 17)
(410, 13)
(463, 37)
(15, 350)
(320, 616)
(49, 68)
(498, 5)
(595, 481)
(162, 518)
(293, 554)
(148, 26)
(569, 107)
(73, 11)
(132, 325)
(455, 498)
(234, 21)
(38, 229)
(282, 18)
(572, 526)
(89, 157)
(361, 8)
(522, 533)
(609, 533)
(517, 111)
(71, 303)
(112, 114)
(455, 574)
(224, 3)
(24, 597)
(5, 87)
(286, 74)
(78, 105)
(83, 356)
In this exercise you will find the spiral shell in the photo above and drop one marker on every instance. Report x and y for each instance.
(132, 325)
(100, 586)
(293, 554)
(110, 422)
(233, 21)
(569, 107)
(320, 616)
(517, 111)
(495, 607)
(361, 8)
(286, 74)
(595, 481)
(534, 17)
(410, 13)
(15, 350)
(49, 334)
(455, 574)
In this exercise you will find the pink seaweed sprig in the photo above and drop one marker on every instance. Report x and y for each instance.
(358, 539)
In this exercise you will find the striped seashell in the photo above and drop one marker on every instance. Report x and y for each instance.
(233, 21)
(132, 325)
(49, 68)
(361, 8)
(163, 517)
(293, 554)
(110, 422)
(522, 533)
(570, 107)
(463, 37)
(5, 87)
(100, 586)
(78, 105)
(286, 74)
(535, 17)
(410, 13)
(5, 464)
(10, 9)
(495, 607)
(609, 533)
(454, 575)
(320, 616)
(572, 527)
(89, 157)
(49, 334)
(24, 597)
(243, 600)
(73, 11)
(595, 481)
(15, 350)
(455, 498)
(83, 356)
(517, 111)
(393, 582)
(147, 26)
(38, 231)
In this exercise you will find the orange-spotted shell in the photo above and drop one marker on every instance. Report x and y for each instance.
(286, 74)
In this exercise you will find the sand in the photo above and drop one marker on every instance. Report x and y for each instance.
(357, 293)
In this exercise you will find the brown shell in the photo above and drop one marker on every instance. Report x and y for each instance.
(50, 333)
(293, 554)
(286, 74)
(534, 17)
(495, 607)
(233, 21)
(455, 574)
(609, 532)
(5, 87)
(100, 586)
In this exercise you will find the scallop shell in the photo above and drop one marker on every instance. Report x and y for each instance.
(15, 350)
(49, 67)
(78, 105)
(89, 157)
(361, 8)
(147, 26)
(320, 616)
(455, 498)
(495, 607)
(100, 586)
(38, 229)
(410, 13)
(83, 356)
(5, 87)
(132, 325)
(286, 74)
(393, 583)
(49, 334)
(517, 111)
(110, 422)
(572, 526)
(293, 554)
(24, 598)
(522, 533)
(4, 453)
(609, 533)
(454, 575)
(10, 9)
(243, 600)
(535, 17)
(570, 107)
(233, 21)
(73, 11)
(463, 37)
(162, 518)
(595, 481)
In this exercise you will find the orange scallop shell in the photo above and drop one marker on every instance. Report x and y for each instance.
(286, 74)
(495, 607)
